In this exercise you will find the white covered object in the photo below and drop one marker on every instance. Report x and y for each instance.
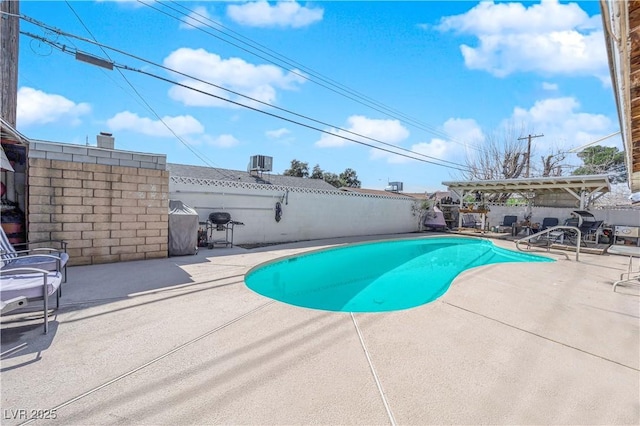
(183, 229)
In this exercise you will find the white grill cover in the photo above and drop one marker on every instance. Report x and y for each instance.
(183, 229)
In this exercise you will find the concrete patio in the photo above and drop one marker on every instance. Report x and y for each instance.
(183, 341)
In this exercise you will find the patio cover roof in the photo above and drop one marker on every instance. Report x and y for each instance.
(581, 187)
(8, 134)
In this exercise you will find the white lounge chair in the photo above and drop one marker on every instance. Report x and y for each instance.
(30, 284)
(50, 259)
(12, 304)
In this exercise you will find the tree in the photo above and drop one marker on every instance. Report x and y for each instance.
(502, 156)
(552, 164)
(599, 160)
(332, 179)
(297, 169)
(317, 172)
(349, 178)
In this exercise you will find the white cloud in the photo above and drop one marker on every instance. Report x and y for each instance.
(198, 18)
(182, 125)
(437, 148)
(463, 133)
(278, 133)
(221, 141)
(388, 131)
(549, 37)
(549, 86)
(128, 3)
(282, 14)
(560, 120)
(256, 81)
(562, 123)
(490, 18)
(37, 107)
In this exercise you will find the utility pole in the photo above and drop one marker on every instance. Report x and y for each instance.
(529, 150)
(9, 33)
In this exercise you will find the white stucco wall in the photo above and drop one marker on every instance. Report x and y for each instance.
(306, 214)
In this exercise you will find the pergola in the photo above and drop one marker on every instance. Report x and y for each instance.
(585, 189)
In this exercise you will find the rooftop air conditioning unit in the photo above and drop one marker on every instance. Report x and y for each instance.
(394, 187)
(260, 163)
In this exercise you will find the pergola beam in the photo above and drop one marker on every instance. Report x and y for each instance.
(577, 186)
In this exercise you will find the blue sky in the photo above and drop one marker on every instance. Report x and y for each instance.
(426, 78)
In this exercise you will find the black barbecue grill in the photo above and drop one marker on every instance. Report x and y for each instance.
(220, 221)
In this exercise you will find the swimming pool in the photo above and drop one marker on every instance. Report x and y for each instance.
(377, 277)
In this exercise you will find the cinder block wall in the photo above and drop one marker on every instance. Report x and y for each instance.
(106, 213)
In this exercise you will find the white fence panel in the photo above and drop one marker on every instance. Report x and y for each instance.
(307, 214)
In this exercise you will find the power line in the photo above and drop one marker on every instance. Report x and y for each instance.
(58, 31)
(125, 67)
(202, 157)
(529, 150)
(293, 121)
(65, 49)
(580, 148)
(325, 82)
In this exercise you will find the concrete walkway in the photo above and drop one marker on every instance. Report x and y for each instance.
(183, 341)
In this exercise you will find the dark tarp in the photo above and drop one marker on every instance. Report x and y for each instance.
(183, 229)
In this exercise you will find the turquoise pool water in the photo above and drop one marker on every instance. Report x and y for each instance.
(377, 277)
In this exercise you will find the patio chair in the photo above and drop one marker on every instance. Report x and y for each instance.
(549, 222)
(30, 284)
(469, 221)
(12, 304)
(589, 232)
(49, 259)
(507, 223)
(568, 235)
